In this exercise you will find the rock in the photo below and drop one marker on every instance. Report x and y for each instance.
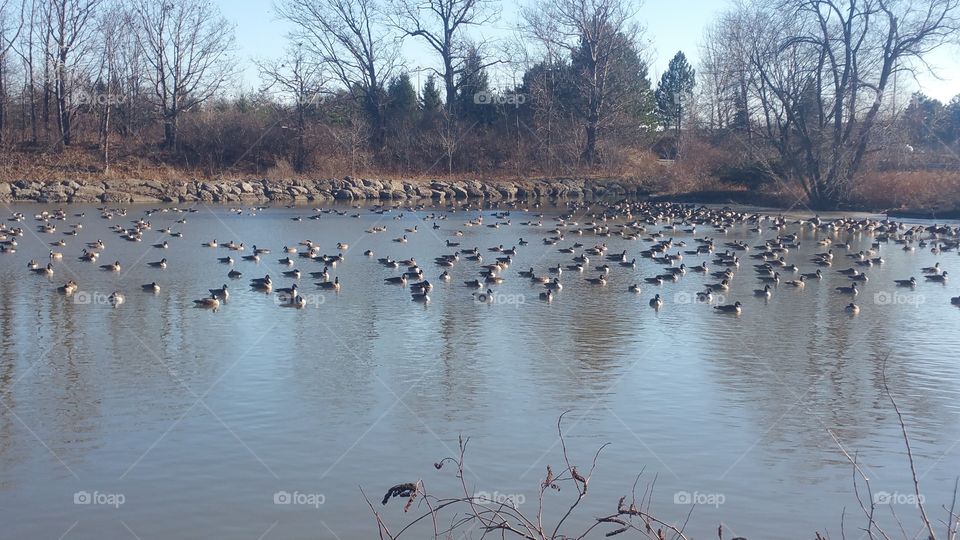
(5, 190)
(343, 195)
(114, 196)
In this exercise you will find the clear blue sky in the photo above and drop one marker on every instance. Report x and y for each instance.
(672, 25)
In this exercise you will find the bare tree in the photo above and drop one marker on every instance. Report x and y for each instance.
(597, 33)
(351, 38)
(296, 78)
(10, 25)
(70, 32)
(187, 46)
(819, 73)
(441, 23)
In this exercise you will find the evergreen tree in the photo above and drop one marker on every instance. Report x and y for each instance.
(675, 92)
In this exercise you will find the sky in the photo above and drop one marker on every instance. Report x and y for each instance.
(671, 26)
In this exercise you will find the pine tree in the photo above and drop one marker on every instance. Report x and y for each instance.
(675, 92)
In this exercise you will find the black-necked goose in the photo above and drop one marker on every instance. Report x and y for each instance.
(735, 308)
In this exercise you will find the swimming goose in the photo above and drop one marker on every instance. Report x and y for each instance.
(735, 308)
(486, 297)
(286, 261)
(852, 308)
(33, 265)
(554, 285)
(222, 293)
(764, 292)
(634, 288)
(601, 280)
(115, 267)
(955, 300)
(798, 283)
(89, 256)
(547, 296)
(654, 280)
(211, 302)
(815, 275)
(912, 282)
(852, 289)
(44, 270)
(330, 285)
(398, 280)
(445, 276)
(225, 260)
(212, 243)
(234, 274)
(705, 296)
(935, 269)
(115, 298)
(162, 245)
(288, 291)
(295, 274)
(775, 279)
(656, 302)
(68, 288)
(254, 257)
(162, 263)
(55, 256)
(939, 278)
(151, 287)
(722, 286)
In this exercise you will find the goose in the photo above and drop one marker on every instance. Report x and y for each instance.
(935, 269)
(264, 284)
(486, 297)
(323, 275)
(330, 285)
(212, 244)
(115, 267)
(115, 299)
(234, 274)
(162, 245)
(225, 260)
(43, 270)
(601, 280)
(368, 253)
(33, 265)
(398, 280)
(258, 251)
(798, 283)
(656, 302)
(654, 280)
(604, 268)
(96, 245)
(852, 289)
(68, 288)
(254, 258)
(55, 256)
(297, 302)
(938, 278)
(211, 302)
(547, 296)
(445, 276)
(554, 285)
(955, 300)
(151, 287)
(421, 297)
(702, 269)
(162, 263)
(295, 274)
(764, 292)
(775, 279)
(423, 286)
(634, 288)
(222, 293)
(722, 286)
(852, 308)
(401, 240)
(912, 282)
(286, 261)
(861, 277)
(288, 291)
(343, 246)
(473, 284)
(735, 308)
(813, 275)
(705, 296)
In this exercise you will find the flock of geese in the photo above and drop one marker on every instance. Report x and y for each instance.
(657, 225)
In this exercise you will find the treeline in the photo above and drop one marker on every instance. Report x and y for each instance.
(803, 93)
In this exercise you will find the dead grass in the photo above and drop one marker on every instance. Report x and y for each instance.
(910, 189)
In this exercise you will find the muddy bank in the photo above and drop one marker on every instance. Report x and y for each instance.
(304, 191)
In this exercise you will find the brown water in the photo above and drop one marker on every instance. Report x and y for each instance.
(195, 420)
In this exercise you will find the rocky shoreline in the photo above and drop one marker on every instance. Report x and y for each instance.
(304, 191)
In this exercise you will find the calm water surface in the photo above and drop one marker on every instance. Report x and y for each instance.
(198, 418)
